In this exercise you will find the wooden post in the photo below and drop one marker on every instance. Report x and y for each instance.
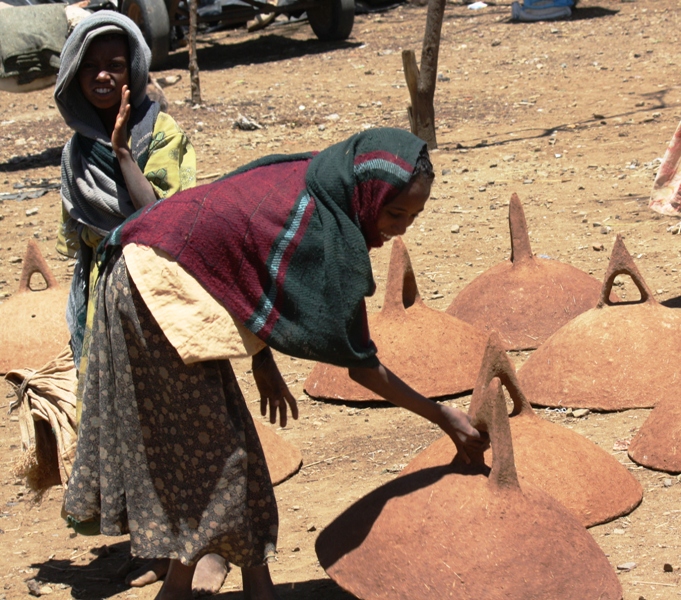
(421, 84)
(193, 62)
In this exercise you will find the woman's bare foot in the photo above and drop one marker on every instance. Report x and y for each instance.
(258, 583)
(150, 572)
(210, 574)
(178, 582)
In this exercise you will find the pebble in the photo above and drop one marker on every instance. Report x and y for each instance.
(627, 566)
(580, 412)
(667, 568)
(605, 230)
(619, 531)
(455, 229)
(311, 528)
(598, 247)
(15, 259)
(667, 482)
(31, 211)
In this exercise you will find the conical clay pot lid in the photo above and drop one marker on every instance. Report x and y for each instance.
(598, 360)
(588, 481)
(34, 327)
(283, 458)
(657, 445)
(417, 343)
(526, 298)
(466, 532)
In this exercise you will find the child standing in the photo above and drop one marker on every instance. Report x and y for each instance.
(125, 153)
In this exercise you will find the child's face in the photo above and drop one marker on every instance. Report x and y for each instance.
(395, 217)
(104, 71)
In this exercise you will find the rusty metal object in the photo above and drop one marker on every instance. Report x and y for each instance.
(466, 532)
(657, 445)
(598, 360)
(588, 481)
(283, 458)
(526, 298)
(416, 342)
(34, 327)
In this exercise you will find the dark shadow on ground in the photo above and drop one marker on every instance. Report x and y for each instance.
(591, 12)
(672, 302)
(221, 54)
(316, 589)
(50, 157)
(104, 577)
(98, 579)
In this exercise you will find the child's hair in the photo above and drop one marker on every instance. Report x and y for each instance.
(423, 166)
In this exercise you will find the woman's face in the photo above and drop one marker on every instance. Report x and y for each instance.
(396, 216)
(104, 71)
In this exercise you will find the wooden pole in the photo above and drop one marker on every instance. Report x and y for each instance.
(193, 62)
(421, 84)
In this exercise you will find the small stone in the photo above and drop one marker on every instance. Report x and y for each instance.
(667, 482)
(627, 566)
(333, 117)
(33, 587)
(15, 259)
(455, 229)
(296, 507)
(311, 528)
(667, 568)
(321, 127)
(598, 247)
(45, 589)
(580, 412)
(31, 211)
(619, 531)
(596, 224)
(605, 230)
(296, 549)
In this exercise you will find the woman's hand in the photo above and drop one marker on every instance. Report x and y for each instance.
(456, 424)
(119, 137)
(272, 387)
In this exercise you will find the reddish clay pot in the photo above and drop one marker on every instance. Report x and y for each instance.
(283, 458)
(588, 481)
(526, 298)
(417, 343)
(657, 445)
(34, 327)
(598, 360)
(466, 532)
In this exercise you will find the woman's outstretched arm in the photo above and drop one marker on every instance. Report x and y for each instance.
(452, 421)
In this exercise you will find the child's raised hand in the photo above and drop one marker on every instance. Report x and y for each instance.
(119, 137)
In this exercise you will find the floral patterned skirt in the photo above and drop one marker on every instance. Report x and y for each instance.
(166, 451)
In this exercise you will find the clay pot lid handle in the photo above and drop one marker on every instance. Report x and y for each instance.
(621, 263)
(35, 263)
(401, 290)
(521, 250)
(496, 363)
(491, 416)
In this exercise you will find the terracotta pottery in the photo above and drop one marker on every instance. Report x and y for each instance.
(526, 298)
(588, 481)
(431, 351)
(657, 445)
(466, 532)
(34, 327)
(283, 458)
(617, 356)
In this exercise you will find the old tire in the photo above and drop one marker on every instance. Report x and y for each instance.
(332, 20)
(151, 16)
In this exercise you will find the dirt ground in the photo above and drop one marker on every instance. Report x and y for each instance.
(572, 115)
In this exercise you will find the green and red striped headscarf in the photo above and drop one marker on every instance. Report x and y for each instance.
(283, 242)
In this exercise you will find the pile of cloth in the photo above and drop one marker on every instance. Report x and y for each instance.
(46, 402)
(542, 10)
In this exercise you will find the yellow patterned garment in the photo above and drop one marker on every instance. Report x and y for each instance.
(170, 168)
